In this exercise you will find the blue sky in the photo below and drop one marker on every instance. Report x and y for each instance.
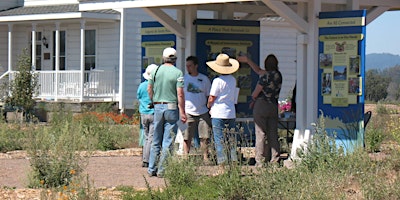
(383, 34)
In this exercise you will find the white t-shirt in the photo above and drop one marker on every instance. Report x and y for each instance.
(197, 89)
(223, 88)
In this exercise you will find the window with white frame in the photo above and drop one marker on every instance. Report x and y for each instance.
(90, 49)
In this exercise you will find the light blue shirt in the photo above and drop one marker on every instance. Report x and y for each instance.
(144, 98)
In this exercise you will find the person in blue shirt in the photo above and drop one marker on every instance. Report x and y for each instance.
(146, 111)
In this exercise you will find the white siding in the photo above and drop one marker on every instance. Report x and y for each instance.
(133, 53)
(73, 46)
(280, 39)
(3, 49)
(20, 42)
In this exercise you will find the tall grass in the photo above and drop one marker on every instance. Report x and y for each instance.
(324, 172)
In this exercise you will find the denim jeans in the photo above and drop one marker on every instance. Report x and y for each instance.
(148, 129)
(165, 129)
(225, 141)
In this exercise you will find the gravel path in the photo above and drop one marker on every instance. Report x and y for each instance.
(106, 169)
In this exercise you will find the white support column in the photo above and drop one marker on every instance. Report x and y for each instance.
(34, 46)
(301, 98)
(57, 61)
(83, 22)
(314, 8)
(121, 61)
(10, 47)
(190, 16)
(301, 81)
(180, 42)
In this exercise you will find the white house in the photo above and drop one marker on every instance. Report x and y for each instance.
(96, 55)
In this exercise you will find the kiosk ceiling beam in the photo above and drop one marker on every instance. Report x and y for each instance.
(252, 16)
(284, 11)
(99, 5)
(375, 13)
(167, 21)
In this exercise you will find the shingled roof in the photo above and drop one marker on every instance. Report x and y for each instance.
(33, 10)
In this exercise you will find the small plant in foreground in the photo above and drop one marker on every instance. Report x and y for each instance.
(373, 139)
(54, 160)
(322, 151)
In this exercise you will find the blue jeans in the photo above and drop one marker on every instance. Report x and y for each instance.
(225, 140)
(165, 129)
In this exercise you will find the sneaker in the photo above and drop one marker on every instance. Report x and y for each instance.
(151, 174)
(160, 175)
(145, 164)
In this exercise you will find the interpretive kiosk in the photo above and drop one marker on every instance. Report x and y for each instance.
(233, 38)
(155, 37)
(341, 76)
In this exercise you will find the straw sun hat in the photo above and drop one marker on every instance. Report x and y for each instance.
(224, 65)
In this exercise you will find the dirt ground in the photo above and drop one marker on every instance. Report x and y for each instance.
(105, 169)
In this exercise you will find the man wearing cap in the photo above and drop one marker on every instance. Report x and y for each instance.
(146, 114)
(166, 91)
(221, 102)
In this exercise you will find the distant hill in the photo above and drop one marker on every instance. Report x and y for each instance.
(381, 61)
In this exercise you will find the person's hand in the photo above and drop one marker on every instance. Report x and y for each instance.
(242, 59)
(183, 117)
(251, 105)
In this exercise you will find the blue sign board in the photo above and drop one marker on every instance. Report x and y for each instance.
(232, 37)
(341, 75)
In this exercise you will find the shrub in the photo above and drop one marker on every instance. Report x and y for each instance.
(54, 159)
(12, 137)
(23, 86)
(322, 151)
(382, 109)
(374, 138)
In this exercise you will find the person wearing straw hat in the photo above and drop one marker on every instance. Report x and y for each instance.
(221, 101)
(265, 97)
(146, 111)
(167, 93)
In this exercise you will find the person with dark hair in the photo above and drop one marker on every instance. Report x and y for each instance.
(265, 111)
(197, 88)
(166, 91)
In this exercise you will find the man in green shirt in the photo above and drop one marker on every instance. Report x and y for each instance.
(166, 91)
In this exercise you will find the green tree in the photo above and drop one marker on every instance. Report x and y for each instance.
(23, 86)
(376, 85)
(394, 87)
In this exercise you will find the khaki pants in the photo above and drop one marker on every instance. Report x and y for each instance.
(266, 127)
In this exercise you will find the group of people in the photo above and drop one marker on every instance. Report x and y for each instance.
(167, 96)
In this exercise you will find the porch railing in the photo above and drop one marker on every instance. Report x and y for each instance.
(97, 85)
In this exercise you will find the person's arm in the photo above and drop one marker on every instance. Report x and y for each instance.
(181, 103)
(257, 69)
(256, 91)
(150, 91)
(211, 100)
